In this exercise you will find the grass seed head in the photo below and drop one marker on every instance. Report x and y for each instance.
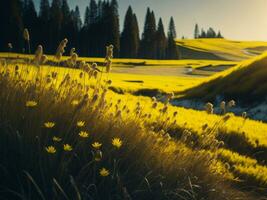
(26, 34)
(98, 155)
(95, 74)
(38, 55)
(94, 66)
(10, 46)
(231, 104)
(154, 105)
(244, 115)
(72, 51)
(209, 108)
(44, 59)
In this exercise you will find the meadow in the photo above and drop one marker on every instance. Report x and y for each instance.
(66, 133)
(132, 75)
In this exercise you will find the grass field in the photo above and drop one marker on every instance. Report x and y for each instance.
(132, 75)
(233, 142)
(136, 62)
(68, 133)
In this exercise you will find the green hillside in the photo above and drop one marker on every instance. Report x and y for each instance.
(220, 49)
(246, 82)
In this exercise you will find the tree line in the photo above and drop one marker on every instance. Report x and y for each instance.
(210, 33)
(99, 28)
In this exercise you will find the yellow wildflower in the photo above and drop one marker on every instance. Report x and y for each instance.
(116, 142)
(103, 172)
(56, 139)
(83, 134)
(49, 124)
(96, 145)
(31, 104)
(80, 123)
(51, 149)
(67, 147)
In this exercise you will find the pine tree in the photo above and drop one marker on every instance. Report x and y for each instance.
(130, 35)
(172, 50)
(30, 21)
(67, 22)
(114, 27)
(100, 9)
(126, 48)
(93, 12)
(44, 13)
(211, 33)
(84, 32)
(203, 34)
(196, 32)
(65, 10)
(29, 13)
(136, 36)
(11, 24)
(87, 17)
(219, 35)
(172, 29)
(43, 28)
(148, 42)
(77, 18)
(102, 28)
(92, 33)
(161, 41)
(77, 28)
(56, 19)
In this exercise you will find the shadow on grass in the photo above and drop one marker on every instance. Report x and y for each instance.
(240, 143)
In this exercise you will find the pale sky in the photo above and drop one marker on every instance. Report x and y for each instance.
(237, 19)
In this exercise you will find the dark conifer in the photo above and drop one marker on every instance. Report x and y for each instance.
(11, 24)
(31, 22)
(43, 21)
(161, 41)
(148, 42)
(130, 36)
(196, 32)
(172, 50)
(219, 35)
(114, 28)
(55, 22)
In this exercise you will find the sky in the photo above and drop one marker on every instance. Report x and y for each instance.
(236, 19)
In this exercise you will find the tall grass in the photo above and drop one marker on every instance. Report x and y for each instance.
(64, 138)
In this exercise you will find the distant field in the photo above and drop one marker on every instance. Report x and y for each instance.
(130, 63)
(222, 48)
(151, 77)
(132, 75)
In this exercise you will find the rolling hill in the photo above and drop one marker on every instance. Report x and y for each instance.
(245, 82)
(220, 49)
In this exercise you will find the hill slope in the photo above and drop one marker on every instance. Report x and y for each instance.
(220, 49)
(247, 82)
